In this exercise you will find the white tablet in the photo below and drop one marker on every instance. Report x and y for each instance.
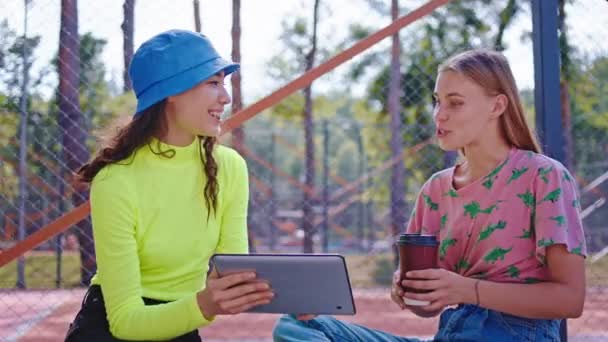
(302, 283)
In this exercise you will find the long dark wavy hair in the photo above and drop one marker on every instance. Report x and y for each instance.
(139, 132)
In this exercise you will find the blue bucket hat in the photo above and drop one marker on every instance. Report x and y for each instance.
(171, 63)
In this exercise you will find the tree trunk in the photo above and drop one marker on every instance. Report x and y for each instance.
(397, 186)
(567, 124)
(238, 135)
(72, 123)
(128, 9)
(566, 66)
(197, 16)
(308, 218)
(506, 17)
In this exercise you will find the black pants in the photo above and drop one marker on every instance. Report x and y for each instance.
(91, 324)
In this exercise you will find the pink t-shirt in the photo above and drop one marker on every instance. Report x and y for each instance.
(498, 227)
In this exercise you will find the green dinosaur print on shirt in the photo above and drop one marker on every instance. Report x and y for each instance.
(452, 193)
(473, 209)
(566, 176)
(560, 220)
(527, 198)
(490, 229)
(488, 183)
(444, 220)
(553, 196)
(432, 205)
(526, 234)
(531, 280)
(542, 173)
(513, 271)
(445, 244)
(578, 250)
(516, 173)
(545, 243)
(462, 265)
(491, 177)
(495, 254)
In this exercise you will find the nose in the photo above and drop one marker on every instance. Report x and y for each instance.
(224, 96)
(439, 114)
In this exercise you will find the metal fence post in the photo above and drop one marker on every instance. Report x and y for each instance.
(325, 239)
(272, 198)
(360, 203)
(23, 108)
(547, 77)
(547, 87)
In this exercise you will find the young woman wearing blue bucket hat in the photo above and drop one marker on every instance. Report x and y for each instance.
(164, 198)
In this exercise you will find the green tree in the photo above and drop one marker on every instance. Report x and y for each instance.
(12, 64)
(457, 26)
(93, 88)
(16, 56)
(590, 117)
(300, 41)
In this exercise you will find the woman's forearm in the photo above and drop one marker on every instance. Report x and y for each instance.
(546, 300)
(561, 296)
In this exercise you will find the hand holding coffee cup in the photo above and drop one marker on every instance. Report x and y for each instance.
(416, 252)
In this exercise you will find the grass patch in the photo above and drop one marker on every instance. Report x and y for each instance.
(40, 271)
(361, 268)
(597, 273)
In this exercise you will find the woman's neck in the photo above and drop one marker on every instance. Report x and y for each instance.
(177, 139)
(479, 161)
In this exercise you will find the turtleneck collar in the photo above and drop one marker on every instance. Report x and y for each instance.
(181, 154)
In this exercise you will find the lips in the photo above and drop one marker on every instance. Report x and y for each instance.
(216, 114)
(442, 132)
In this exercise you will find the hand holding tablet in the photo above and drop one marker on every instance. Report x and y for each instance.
(301, 283)
(232, 294)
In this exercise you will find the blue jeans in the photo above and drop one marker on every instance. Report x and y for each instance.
(464, 323)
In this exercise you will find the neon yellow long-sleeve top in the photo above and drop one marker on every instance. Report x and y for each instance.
(153, 236)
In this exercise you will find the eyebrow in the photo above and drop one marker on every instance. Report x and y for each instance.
(450, 94)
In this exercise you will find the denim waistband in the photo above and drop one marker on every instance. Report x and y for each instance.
(475, 323)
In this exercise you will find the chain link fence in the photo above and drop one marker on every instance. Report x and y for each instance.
(350, 195)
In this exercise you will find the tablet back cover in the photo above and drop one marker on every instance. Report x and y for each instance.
(302, 283)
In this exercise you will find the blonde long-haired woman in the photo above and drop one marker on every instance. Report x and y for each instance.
(507, 218)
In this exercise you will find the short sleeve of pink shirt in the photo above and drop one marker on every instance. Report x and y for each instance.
(498, 227)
